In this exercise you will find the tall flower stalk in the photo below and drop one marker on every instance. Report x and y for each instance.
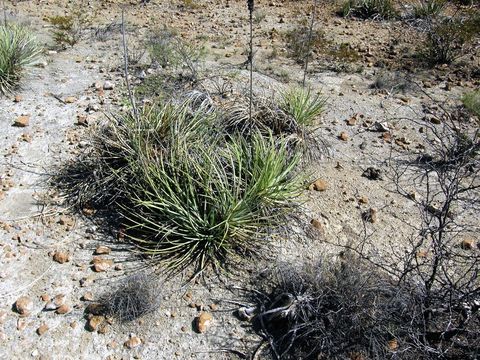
(309, 42)
(250, 4)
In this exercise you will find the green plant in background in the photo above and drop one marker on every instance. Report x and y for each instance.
(167, 49)
(471, 101)
(450, 38)
(426, 8)
(304, 39)
(67, 29)
(18, 49)
(367, 9)
(302, 105)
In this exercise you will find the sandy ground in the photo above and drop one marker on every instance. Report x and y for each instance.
(36, 224)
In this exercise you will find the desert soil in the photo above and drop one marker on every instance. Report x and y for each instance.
(46, 247)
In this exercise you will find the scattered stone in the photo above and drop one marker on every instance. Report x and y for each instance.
(381, 127)
(363, 200)
(63, 309)
(102, 250)
(108, 85)
(212, 307)
(318, 185)
(203, 322)
(45, 297)
(70, 99)
(23, 306)
(343, 136)
(82, 120)
(26, 138)
(352, 121)
(316, 224)
(132, 342)
(42, 329)
(467, 244)
(22, 121)
(50, 306)
(88, 296)
(86, 281)
(101, 264)
(187, 296)
(94, 322)
(370, 215)
(17, 98)
(372, 173)
(61, 257)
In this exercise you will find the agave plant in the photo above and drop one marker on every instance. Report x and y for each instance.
(18, 49)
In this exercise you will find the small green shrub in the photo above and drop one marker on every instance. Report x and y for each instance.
(67, 29)
(302, 105)
(299, 43)
(427, 8)
(450, 38)
(18, 49)
(167, 49)
(471, 101)
(367, 9)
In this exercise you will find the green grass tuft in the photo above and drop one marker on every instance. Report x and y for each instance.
(302, 105)
(18, 49)
(471, 101)
(428, 8)
(369, 9)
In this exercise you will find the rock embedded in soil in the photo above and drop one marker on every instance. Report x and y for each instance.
(22, 121)
(203, 322)
(94, 322)
(70, 99)
(108, 85)
(63, 309)
(101, 264)
(467, 244)
(132, 342)
(50, 306)
(24, 305)
(102, 250)
(61, 257)
(88, 296)
(370, 215)
(343, 136)
(42, 329)
(319, 185)
(363, 200)
(316, 224)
